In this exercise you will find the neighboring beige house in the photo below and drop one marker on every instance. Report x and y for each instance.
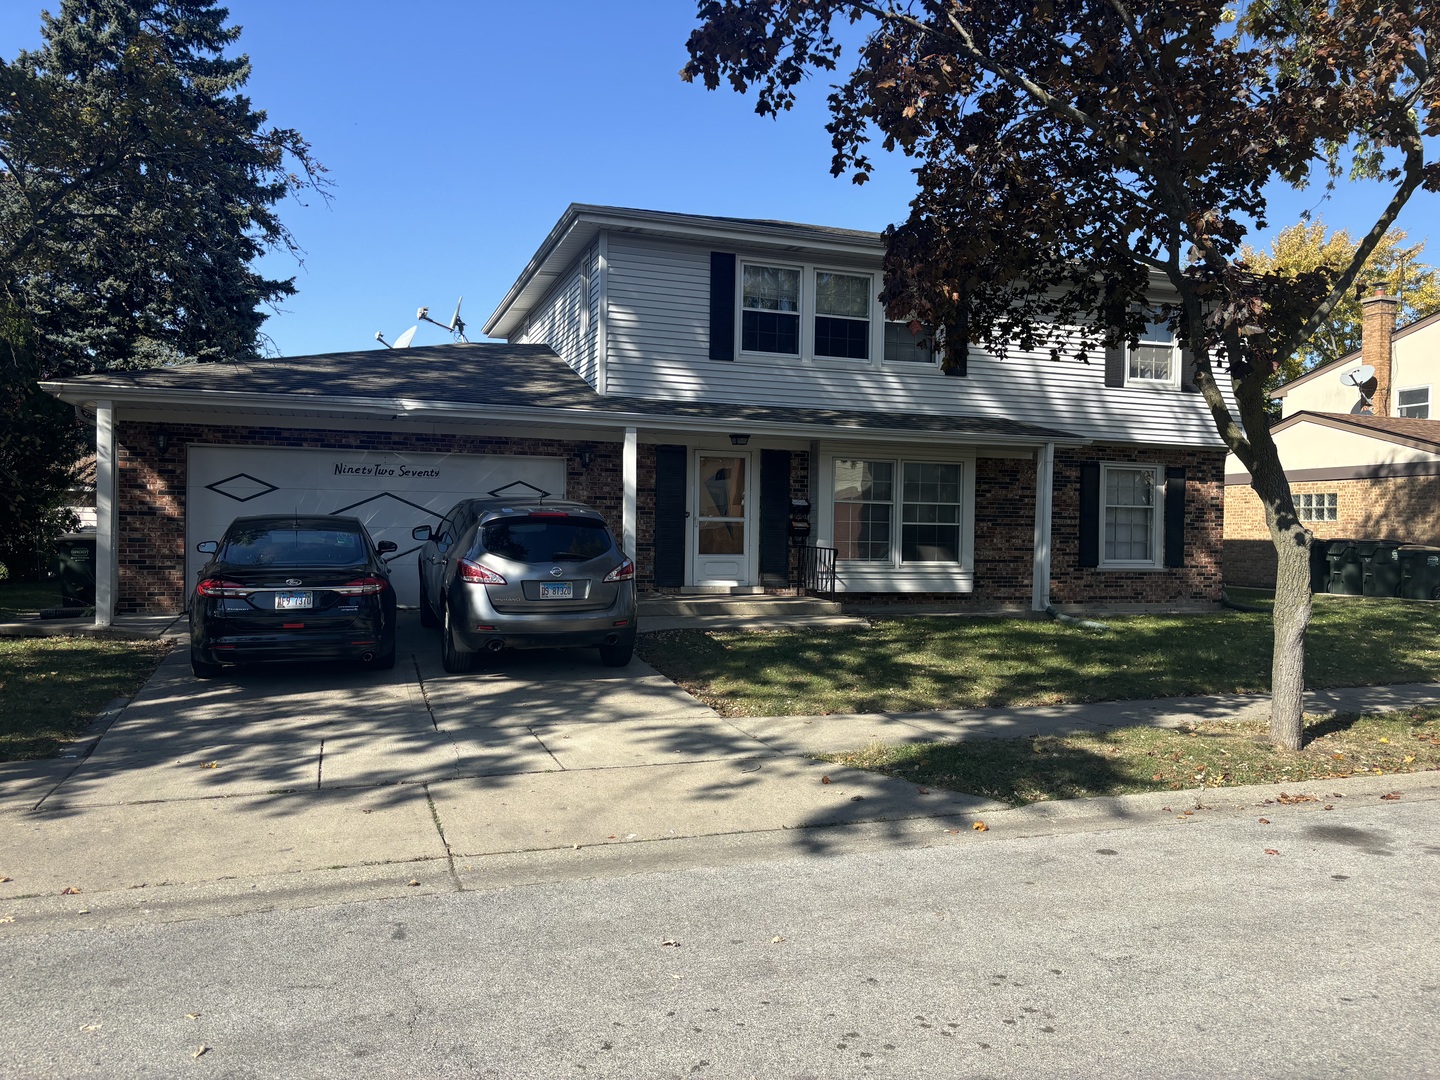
(1361, 450)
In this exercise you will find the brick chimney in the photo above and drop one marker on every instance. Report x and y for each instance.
(1377, 329)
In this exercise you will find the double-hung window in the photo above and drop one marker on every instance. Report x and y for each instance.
(1155, 360)
(842, 315)
(1414, 402)
(918, 519)
(1130, 518)
(909, 343)
(770, 309)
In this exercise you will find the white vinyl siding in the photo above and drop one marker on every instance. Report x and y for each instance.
(566, 319)
(658, 327)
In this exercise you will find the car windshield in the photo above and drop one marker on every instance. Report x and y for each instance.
(292, 547)
(556, 539)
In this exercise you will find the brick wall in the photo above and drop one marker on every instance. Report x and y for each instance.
(1198, 581)
(152, 488)
(1400, 508)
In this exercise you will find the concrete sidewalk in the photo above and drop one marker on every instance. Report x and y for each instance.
(396, 776)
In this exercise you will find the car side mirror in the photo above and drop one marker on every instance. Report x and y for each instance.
(421, 532)
(387, 545)
(208, 547)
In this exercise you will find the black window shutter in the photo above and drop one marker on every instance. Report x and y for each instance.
(1089, 513)
(1175, 517)
(722, 305)
(1187, 372)
(670, 469)
(1115, 365)
(775, 512)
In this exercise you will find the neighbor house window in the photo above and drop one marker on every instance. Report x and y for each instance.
(909, 343)
(1130, 519)
(770, 310)
(1414, 402)
(1155, 360)
(842, 315)
(1319, 506)
(920, 521)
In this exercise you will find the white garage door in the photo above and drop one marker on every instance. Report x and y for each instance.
(391, 493)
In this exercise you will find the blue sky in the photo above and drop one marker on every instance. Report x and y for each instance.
(456, 134)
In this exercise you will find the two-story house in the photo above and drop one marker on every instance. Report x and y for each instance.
(1359, 443)
(716, 385)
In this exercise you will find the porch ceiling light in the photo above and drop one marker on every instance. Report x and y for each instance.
(739, 440)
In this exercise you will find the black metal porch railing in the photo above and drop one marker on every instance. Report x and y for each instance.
(817, 569)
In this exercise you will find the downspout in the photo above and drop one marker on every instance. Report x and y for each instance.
(107, 515)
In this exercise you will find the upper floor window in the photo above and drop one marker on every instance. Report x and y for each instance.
(909, 342)
(842, 315)
(770, 310)
(1155, 361)
(1414, 402)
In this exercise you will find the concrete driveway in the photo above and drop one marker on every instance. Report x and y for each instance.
(316, 768)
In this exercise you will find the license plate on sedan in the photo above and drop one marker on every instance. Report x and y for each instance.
(294, 601)
(557, 590)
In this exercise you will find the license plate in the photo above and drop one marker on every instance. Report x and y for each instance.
(294, 601)
(557, 590)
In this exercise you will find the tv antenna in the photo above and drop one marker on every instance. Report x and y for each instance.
(456, 325)
(401, 342)
(1362, 378)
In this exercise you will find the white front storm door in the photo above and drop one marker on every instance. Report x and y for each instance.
(722, 540)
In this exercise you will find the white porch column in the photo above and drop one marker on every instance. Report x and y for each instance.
(630, 476)
(1044, 494)
(107, 515)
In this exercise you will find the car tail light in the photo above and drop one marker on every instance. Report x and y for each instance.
(476, 574)
(365, 586)
(218, 587)
(624, 572)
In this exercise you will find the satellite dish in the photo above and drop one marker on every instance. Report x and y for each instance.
(403, 341)
(1357, 376)
(456, 325)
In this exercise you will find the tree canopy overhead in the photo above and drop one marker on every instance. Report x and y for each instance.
(138, 185)
(1073, 154)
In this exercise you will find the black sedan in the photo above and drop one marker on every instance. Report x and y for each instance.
(292, 588)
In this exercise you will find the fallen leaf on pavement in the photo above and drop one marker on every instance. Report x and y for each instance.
(91, 1027)
(413, 881)
(670, 943)
(1271, 851)
(3, 879)
(1290, 800)
(1391, 796)
(192, 1016)
(1264, 821)
(7, 918)
(209, 765)
(926, 790)
(70, 890)
(856, 798)
(1328, 806)
(824, 779)
(980, 826)
(201, 1052)
(776, 939)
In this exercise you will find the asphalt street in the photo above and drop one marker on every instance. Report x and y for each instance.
(1162, 944)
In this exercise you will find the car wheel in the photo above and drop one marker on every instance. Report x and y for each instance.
(452, 659)
(427, 613)
(203, 669)
(619, 654)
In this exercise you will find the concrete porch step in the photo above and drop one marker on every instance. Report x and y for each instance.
(716, 604)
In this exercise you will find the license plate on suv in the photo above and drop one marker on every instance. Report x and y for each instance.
(557, 590)
(294, 601)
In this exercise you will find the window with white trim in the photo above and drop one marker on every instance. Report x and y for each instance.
(770, 309)
(1130, 517)
(842, 315)
(1318, 506)
(909, 343)
(918, 523)
(1155, 360)
(1414, 402)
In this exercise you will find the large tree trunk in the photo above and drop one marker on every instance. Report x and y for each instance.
(1292, 602)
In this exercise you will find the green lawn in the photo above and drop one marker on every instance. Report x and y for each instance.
(1210, 754)
(921, 663)
(27, 597)
(51, 688)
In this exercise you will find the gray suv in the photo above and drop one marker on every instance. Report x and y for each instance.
(528, 574)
